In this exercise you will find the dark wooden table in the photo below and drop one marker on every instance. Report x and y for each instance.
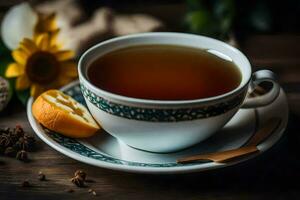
(273, 175)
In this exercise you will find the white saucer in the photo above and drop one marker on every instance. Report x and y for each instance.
(103, 150)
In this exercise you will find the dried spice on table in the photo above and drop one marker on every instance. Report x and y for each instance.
(22, 155)
(69, 190)
(25, 183)
(81, 174)
(41, 176)
(15, 143)
(79, 178)
(5, 140)
(10, 152)
(78, 181)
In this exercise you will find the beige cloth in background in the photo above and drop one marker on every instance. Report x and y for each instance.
(78, 33)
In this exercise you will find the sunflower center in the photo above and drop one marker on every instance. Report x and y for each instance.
(42, 67)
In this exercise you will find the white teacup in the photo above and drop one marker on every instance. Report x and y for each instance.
(166, 126)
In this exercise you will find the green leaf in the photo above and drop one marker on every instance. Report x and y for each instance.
(194, 4)
(201, 22)
(5, 60)
(11, 87)
(224, 12)
(260, 18)
(3, 48)
(23, 95)
(212, 17)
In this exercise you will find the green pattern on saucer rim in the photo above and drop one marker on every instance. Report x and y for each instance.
(161, 115)
(75, 146)
(79, 148)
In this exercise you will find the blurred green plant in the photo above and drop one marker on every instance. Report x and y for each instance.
(221, 18)
(5, 59)
(213, 18)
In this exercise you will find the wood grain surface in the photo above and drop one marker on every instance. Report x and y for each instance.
(273, 175)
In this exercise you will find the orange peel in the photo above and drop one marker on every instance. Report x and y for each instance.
(61, 113)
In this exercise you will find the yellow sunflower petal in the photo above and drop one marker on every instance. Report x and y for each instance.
(28, 46)
(14, 70)
(22, 82)
(69, 69)
(36, 90)
(54, 48)
(42, 41)
(64, 55)
(50, 22)
(47, 22)
(25, 49)
(53, 37)
(20, 56)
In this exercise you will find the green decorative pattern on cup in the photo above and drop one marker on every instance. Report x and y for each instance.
(161, 115)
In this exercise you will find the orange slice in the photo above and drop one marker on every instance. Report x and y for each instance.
(61, 113)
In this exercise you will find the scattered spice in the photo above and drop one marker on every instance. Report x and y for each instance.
(22, 155)
(16, 133)
(78, 181)
(70, 190)
(25, 183)
(15, 143)
(4, 130)
(10, 151)
(81, 174)
(79, 178)
(42, 176)
(5, 140)
(93, 192)
(26, 142)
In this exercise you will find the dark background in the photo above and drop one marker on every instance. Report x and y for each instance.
(268, 33)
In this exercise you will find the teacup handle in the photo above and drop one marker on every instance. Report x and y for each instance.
(265, 99)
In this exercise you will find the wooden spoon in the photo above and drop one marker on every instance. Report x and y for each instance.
(249, 148)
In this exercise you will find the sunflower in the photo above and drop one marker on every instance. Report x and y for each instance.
(46, 23)
(40, 64)
(22, 21)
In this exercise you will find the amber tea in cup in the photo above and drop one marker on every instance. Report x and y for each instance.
(164, 72)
